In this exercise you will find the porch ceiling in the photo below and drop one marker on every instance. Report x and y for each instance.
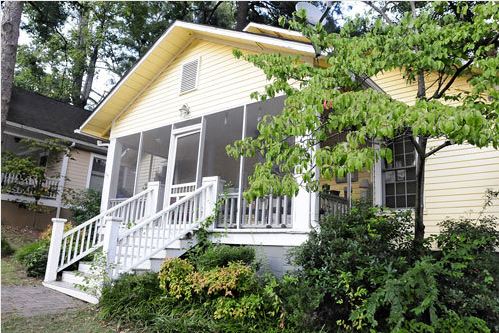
(161, 54)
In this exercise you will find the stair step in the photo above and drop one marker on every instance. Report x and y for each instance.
(70, 290)
(78, 277)
(85, 267)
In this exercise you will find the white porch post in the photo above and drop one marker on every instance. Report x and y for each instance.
(111, 174)
(60, 186)
(305, 206)
(377, 181)
(54, 249)
(111, 233)
(211, 198)
(152, 200)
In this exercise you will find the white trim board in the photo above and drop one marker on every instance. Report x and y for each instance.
(36, 130)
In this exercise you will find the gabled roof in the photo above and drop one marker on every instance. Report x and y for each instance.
(164, 51)
(31, 110)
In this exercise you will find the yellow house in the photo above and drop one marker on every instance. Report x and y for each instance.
(168, 121)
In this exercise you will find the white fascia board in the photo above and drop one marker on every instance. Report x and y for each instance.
(274, 29)
(54, 135)
(291, 45)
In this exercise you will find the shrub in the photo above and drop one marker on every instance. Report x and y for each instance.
(222, 255)
(174, 277)
(347, 260)
(7, 249)
(34, 257)
(83, 204)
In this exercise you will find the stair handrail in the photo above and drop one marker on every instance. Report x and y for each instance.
(178, 219)
(90, 232)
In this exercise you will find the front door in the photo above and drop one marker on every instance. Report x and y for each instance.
(184, 165)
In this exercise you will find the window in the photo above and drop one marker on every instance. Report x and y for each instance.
(189, 77)
(127, 165)
(97, 174)
(400, 175)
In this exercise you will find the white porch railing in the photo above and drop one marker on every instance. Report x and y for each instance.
(115, 202)
(85, 238)
(155, 233)
(14, 184)
(267, 212)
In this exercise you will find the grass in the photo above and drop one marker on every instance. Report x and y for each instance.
(77, 321)
(12, 272)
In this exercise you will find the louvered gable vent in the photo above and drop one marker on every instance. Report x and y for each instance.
(189, 76)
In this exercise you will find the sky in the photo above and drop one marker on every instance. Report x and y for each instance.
(105, 80)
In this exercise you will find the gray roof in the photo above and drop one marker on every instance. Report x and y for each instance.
(44, 113)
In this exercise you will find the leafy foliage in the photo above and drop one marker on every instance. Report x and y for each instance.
(30, 176)
(222, 255)
(7, 249)
(83, 204)
(366, 276)
(433, 47)
(34, 257)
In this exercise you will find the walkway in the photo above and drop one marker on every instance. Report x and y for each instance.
(27, 301)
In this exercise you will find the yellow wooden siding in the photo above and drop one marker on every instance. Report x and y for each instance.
(77, 172)
(223, 82)
(457, 176)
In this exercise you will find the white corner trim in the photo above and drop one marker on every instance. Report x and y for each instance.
(90, 166)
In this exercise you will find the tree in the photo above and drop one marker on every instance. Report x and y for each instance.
(30, 177)
(433, 46)
(11, 18)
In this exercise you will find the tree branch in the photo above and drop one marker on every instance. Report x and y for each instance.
(438, 94)
(379, 10)
(418, 147)
(208, 21)
(443, 145)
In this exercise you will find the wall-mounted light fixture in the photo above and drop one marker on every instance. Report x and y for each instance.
(185, 111)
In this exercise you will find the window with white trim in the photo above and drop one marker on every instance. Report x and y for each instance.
(97, 174)
(189, 76)
(400, 175)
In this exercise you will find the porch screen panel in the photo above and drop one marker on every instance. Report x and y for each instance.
(222, 129)
(154, 158)
(186, 159)
(254, 114)
(127, 165)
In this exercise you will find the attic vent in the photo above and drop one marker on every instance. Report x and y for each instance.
(189, 76)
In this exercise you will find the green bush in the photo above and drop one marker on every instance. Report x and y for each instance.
(222, 255)
(83, 204)
(7, 249)
(365, 276)
(348, 258)
(34, 257)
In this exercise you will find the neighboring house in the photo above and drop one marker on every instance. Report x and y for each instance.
(168, 121)
(33, 116)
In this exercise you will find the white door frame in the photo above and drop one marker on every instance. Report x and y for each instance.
(175, 135)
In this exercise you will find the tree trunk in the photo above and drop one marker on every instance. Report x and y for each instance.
(419, 204)
(11, 18)
(80, 59)
(90, 76)
(242, 15)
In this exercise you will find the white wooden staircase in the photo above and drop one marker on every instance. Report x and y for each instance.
(133, 237)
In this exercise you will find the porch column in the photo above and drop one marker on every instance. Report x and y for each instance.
(60, 187)
(306, 206)
(377, 181)
(111, 174)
